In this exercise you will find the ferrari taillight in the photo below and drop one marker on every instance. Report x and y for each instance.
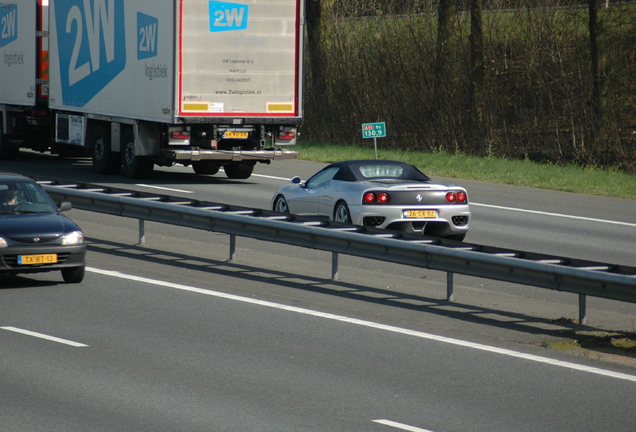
(461, 197)
(372, 197)
(451, 197)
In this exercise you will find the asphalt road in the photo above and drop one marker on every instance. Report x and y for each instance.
(173, 337)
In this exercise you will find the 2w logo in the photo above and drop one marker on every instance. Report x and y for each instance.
(91, 42)
(146, 36)
(226, 16)
(8, 24)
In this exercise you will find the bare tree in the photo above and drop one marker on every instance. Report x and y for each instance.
(477, 64)
(445, 27)
(598, 59)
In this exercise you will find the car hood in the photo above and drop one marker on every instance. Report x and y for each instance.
(35, 224)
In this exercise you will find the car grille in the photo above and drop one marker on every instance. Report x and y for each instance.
(12, 260)
(36, 239)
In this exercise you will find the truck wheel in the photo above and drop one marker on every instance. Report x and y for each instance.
(205, 168)
(105, 161)
(135, 167)
(7, 151)
(239, 170)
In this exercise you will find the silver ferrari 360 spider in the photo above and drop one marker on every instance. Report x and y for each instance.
(381, 194)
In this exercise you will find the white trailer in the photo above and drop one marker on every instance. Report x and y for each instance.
(138, 83)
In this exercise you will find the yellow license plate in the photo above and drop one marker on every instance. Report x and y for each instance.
(232, 134)
(420, 214)
(37, 259)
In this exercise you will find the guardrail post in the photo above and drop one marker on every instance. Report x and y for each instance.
(232, 247)
(582, 309)
(449, 287)
(334, 265)
(142, 232)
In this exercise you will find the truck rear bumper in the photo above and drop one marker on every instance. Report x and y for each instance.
(181, 156)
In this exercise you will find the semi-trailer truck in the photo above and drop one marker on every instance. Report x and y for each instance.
(139, 83)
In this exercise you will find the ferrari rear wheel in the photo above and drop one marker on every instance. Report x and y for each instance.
(341, 212)
(280, 205)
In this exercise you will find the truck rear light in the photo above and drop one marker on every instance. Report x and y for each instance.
(180, 135)
(287, 135)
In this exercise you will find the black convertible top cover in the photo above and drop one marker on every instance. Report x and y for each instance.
(351, 171)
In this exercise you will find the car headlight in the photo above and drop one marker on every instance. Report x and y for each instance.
(74, 238)
(3, 243)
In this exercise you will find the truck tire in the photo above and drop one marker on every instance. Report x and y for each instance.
(135, 167)
(239, 170)
(105, 161)
(205, 168)
(7, 151)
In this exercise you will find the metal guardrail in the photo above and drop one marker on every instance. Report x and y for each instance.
(585, 278)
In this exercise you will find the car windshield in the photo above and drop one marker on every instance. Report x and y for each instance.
(24, 197)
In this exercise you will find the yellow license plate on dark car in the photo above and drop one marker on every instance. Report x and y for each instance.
(37, 259)
(419, 214)
(232, 134)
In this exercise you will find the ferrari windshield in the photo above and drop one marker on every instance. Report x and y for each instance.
(24, 197)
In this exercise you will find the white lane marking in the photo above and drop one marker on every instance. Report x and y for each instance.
(43, 336)
(272, 177)
(164, 188)
(401, 426)
(371, 324)
(554, 214)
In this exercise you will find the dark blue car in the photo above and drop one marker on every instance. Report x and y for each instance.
(34, 236)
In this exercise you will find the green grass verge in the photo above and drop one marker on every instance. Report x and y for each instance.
(569, 178)
(605, 345)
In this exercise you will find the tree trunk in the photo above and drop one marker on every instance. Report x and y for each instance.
(598, 60)
(445, 28)
(477, 64)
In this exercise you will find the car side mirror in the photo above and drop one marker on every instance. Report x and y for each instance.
(65, 206)
(296, 180)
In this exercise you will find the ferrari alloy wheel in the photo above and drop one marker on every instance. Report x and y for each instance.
(341, 213)
(280, 205)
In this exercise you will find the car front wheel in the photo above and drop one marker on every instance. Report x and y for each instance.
(73, 274)
(341, 213)
(280, 205)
